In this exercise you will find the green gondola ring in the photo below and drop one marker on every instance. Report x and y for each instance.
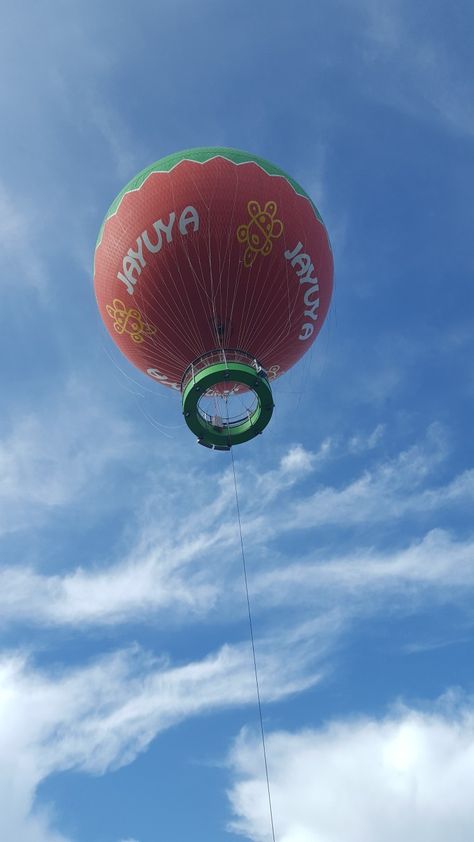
(216, 369)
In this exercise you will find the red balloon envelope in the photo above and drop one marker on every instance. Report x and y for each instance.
(213, 250)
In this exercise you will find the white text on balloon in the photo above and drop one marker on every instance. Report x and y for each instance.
(135, 259)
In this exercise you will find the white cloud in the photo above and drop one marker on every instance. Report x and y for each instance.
(191, 570)
(407, 776)
(130, 590)
(298, 460)
(98, 717)
(390, 489)
(262, 488)
(50, 458)
(360, 443)
(436, 564)
(436, 568)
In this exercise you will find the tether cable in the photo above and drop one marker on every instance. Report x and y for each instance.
(244, 568)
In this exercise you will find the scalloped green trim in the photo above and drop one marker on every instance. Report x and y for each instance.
(202, 155)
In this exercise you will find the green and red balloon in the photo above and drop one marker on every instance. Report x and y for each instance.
(213, 274)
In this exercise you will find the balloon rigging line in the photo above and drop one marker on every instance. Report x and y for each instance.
(255, 294)
(184, 306)
(155, 423)
(244, 568)
(199, 284)
(141, 386)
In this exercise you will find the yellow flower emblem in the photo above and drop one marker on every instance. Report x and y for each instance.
(129, 321)
(260, 231)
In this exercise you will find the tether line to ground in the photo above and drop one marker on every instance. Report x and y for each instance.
(244, 568)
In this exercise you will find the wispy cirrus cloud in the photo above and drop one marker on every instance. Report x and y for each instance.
(390, 488)
(193, 570)
(360, 443)
(51, 457)
(435, 566)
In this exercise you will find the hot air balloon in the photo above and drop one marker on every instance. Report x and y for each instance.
(213, 274)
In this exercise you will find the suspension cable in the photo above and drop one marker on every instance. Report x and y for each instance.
(244, 568)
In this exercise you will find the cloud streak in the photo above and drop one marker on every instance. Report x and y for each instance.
(52, 456)
(194, 571)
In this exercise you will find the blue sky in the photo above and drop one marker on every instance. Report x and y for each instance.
(127, 703)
